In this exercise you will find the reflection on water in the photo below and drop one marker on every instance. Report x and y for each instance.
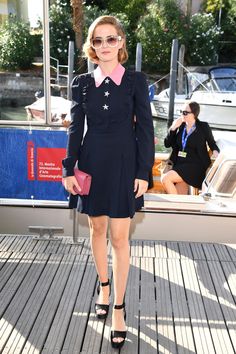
(160, 127)
(13, 113)
(19, 114)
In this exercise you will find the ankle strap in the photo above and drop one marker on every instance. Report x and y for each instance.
(105, 284)
(119, 307)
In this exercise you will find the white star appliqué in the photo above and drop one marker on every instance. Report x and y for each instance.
(107, 81)
(106, 94)
(105, 107)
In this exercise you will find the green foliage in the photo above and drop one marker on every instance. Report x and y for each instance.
(61, 30)
(16, 45)
(163, 22)
(203, 40)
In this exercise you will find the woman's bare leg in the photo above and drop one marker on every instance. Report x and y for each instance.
(169, 180)
(120, 263)
(98, 232)
(182, 187)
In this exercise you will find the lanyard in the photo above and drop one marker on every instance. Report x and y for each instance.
(185, 136)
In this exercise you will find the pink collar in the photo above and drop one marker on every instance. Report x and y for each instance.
(116, 75)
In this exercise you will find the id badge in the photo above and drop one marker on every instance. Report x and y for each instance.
(182, 154)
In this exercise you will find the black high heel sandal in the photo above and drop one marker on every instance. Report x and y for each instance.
(118, 334)
(104, 307)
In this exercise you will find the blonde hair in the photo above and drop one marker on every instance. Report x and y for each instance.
(90, 53)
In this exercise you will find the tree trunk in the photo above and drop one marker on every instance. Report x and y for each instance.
(77, 6)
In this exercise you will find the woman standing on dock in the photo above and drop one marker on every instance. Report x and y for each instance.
(116, 151)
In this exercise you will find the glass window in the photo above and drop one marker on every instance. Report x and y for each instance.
(221, 179)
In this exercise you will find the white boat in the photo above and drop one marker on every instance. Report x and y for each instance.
(60, 109)
(215, 92)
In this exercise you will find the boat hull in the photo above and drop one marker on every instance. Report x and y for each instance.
(219, 116)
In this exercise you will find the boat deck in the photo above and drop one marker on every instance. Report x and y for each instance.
(181, 298)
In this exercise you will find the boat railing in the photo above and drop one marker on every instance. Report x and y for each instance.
(57, 68)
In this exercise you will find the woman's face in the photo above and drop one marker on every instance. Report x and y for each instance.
(106, 43)
(187, 115)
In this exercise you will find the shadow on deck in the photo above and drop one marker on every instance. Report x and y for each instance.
(181, 298)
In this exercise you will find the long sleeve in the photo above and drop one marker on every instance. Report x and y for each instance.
(210, 138)
(144, 128)
(76, 128)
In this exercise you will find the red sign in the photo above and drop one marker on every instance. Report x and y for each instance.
(49, 163)
(30, 160)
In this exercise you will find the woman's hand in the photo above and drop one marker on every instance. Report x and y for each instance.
(69, 184)
(215, 153)
(140, 186)
(176, 123)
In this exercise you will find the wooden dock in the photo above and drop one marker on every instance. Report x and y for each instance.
(181, 298)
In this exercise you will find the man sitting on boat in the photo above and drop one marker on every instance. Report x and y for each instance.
(189, 139)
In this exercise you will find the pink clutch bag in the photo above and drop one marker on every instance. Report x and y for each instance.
(84, 180)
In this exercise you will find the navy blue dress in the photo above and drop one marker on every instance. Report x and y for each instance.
(192, 168)
(114, 149)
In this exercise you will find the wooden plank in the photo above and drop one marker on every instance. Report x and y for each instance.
(147, 326)
(160, 249)
(40, 246)
(219, 333)
(172, 249)
(45, 317)
(148, 249)
(229, 269)
(210, 252)
(136, 248)
(15, 317)
(185, 250)
(225, 299)
(59, 326)
(13, 278)
(52, 246)
(18, 244)
(18, 338)
(7, 242)
(165, 324)
(197, 250)
(201, 331)
(77, 328)
(222, 253)
(231, 249)
(182, 324)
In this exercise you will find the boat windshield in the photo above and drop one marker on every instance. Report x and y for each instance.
(221, 179)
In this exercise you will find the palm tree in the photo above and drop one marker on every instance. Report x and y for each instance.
(77, 6)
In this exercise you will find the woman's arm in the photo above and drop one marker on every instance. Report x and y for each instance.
(144, 128)
(170, 139)
(76, 128)
(210, 140)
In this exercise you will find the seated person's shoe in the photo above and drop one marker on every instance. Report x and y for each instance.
(104, 307)
(118, 334)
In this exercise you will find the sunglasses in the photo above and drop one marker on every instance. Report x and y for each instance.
(185, 113)
(111, 41)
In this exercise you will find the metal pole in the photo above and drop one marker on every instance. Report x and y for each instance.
(180, 86)
(138, 62)
(71, 51)
(173, 75)
(90, 66)
(46, 62)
